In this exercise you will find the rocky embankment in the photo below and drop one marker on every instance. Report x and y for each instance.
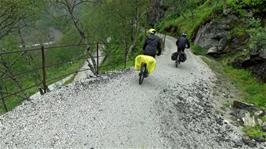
(227, 34)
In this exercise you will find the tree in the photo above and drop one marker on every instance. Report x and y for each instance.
(12, 13)
(118, 20)
(71, 8)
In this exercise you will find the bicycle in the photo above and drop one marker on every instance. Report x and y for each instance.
(177, 61)
(142, 73)
(145, 65)
(180, 57)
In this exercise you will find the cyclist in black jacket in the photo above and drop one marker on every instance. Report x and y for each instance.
(182, 43)
(152, 45)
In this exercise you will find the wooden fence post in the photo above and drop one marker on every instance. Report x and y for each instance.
(164, 41)
(2, 98)
(97, 71)
(45, 87)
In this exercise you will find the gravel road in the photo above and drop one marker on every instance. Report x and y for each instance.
(172, 109)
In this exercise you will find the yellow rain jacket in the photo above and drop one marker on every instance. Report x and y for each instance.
(149, 60)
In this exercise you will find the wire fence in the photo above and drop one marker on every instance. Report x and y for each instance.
(40, 71)
(43, 82)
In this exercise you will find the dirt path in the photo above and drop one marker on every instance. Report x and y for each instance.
(173, 108)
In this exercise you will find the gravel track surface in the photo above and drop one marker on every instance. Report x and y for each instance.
(172, 109)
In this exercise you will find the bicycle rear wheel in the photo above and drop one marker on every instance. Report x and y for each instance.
(177, 61)
(142, 73)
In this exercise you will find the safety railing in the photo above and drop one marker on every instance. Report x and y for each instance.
(42, 85)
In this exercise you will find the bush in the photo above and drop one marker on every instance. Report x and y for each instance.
(257, 6)
(255, 133)
(198, 50)
(258, 38)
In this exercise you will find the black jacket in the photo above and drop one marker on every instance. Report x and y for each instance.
(152, 45)
(182, 43)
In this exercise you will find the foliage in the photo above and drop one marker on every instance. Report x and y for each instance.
(253, 4)
(258, 38)
(198, 50)
(116, 24)
(252, 90)
(255, 133)
(16, 14)
(190, 24)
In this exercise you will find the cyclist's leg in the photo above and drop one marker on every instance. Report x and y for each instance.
(146, 71)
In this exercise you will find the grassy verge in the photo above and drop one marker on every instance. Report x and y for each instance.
(252, 91)
(255, 133)
(198, 50)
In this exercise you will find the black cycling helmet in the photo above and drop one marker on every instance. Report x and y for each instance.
(184, 35)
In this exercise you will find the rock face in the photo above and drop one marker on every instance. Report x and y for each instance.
(220, 36)
(215, 34)
(260, 70)
(254, 62)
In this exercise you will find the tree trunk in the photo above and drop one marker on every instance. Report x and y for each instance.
(83, 37)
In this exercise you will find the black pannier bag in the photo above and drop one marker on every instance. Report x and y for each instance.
(174, 56)
(183, 57)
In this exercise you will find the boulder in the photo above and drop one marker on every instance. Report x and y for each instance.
(260, 71)
(244, 106)
(216, 33)
(249, 120)
(255, 62)
(212, 50)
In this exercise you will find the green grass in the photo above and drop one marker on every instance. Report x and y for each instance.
(190, 24)
(253, 90)
(255, 133)
(198, 50)
(263, 118)
(116, 62)
(115, 59)
(70, 80)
